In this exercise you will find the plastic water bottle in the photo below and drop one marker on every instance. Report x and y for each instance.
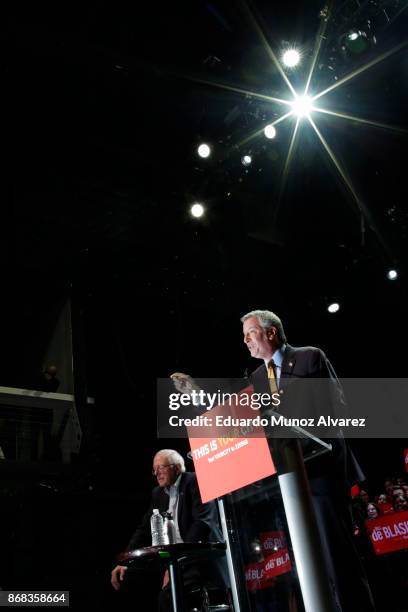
(169, 528)
(157, 528)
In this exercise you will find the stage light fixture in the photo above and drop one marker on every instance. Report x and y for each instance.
(356, 41)
(197, 210)
(302, 106)
(291, 58)
(334, 307)
(204, 150)
(270, 131)
(246, 160)
(392, 274)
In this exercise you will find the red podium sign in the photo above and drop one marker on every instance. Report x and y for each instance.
(226, 461)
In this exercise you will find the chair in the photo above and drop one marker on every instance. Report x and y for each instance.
(210, 599)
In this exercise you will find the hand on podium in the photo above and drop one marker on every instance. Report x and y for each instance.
(184, 383)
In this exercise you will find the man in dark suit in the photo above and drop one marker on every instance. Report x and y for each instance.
(330, 475)
(178, 492)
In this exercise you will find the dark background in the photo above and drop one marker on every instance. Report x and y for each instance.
(103, 110)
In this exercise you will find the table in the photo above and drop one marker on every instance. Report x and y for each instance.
(172, 556)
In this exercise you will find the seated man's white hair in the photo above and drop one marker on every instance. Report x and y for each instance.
(173, 457)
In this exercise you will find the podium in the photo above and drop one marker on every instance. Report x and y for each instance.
(255, 520)
(235, 468)
(296, 516)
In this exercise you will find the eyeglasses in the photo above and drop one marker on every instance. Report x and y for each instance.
(161, 467)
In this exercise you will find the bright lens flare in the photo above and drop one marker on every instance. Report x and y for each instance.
(197, 210)
(302, 106)
(334, 307)
(291, 58)
(204, 150)
(270, 131)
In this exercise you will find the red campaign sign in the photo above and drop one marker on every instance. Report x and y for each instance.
(389, 533)
(406, 459)
(278, 563)
(271, 541)
(225, 461)
(256, 578)
(262, 574)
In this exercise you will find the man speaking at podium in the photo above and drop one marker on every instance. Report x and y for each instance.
(330, 476)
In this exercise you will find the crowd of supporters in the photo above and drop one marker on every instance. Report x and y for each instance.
(387, 573)
(393, 498)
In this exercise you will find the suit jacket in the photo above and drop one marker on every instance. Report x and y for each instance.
(330, 475)
(309, 362)
(301, 362)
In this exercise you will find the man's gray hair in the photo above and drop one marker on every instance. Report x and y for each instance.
(173, 457)
(267, 319)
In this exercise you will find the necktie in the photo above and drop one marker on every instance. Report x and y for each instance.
(273, 385)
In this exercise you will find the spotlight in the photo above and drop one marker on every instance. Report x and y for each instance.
(291, 58)
(356, 41)
(246, 160)
(204, 150)
(392, 274)
(197, 210)
(270, 131)
(302, 106)
(334, 307)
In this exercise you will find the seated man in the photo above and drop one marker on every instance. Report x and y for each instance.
(177, 492)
